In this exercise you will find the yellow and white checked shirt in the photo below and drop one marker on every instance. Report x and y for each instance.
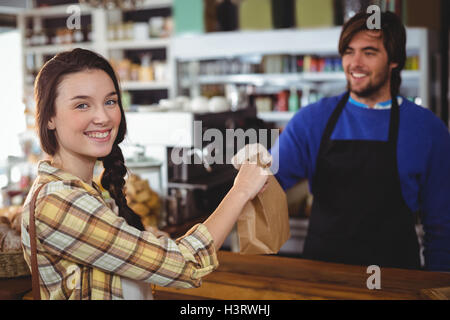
(84, 248)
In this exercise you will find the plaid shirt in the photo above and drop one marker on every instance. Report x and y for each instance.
(84, 248)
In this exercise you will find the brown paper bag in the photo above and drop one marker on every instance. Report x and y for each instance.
(263, 226)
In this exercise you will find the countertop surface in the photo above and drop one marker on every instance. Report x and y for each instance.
(250, 277)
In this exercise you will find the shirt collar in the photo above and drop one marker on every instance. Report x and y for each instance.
(48, 173)
(379, 106)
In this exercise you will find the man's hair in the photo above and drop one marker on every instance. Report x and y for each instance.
(393, 34)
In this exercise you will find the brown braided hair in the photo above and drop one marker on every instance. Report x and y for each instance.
(48, 78)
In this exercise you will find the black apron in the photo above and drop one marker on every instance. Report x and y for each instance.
(359, 215)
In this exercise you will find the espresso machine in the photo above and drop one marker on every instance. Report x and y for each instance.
(196, 185)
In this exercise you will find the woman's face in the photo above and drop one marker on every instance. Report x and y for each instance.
(87, 115)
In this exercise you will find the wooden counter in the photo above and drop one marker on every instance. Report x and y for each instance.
(278, 278)
(14, 288)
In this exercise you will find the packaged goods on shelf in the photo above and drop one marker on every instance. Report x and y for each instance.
(263, 104)
(146, 71)
(310, 63)
(121, 31)
(155, 27)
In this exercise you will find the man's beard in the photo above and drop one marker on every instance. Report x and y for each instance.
(372, 88)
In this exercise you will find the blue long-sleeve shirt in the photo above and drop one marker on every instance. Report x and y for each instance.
(423, 155)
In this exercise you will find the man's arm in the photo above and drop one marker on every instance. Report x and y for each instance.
(291, 154)
(435, 198)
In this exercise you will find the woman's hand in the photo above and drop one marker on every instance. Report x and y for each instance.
(252, 152)
(251, 179)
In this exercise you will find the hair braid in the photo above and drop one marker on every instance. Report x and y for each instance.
(113, 180)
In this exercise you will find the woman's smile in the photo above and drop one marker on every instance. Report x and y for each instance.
(99, 135)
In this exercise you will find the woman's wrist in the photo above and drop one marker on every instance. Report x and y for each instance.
(240, 194)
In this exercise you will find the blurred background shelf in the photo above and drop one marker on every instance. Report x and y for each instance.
(288, 41)
(147, 85)
(62, 10)
(276, 116)
(282, 78)
(139, 44)
(54, 49)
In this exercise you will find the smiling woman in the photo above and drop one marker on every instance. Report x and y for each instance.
(80, 240)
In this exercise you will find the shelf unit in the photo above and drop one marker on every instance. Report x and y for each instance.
(100, 42)
(54, 49)
(320, 42)
(144, 85)
(110, 49)
(282, 78)
(138, 44)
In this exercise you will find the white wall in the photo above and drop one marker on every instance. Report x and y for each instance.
(12, 119)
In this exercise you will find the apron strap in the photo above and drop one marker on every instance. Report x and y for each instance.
(333, 120)
(394, 123)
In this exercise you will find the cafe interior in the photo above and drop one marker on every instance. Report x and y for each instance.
(193, 70)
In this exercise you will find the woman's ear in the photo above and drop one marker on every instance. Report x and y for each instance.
(51, 125)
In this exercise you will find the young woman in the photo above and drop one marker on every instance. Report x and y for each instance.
(84, 249)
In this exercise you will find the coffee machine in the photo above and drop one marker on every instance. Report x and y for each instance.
(196, 185)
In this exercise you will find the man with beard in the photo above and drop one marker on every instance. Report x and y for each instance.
(376, 162)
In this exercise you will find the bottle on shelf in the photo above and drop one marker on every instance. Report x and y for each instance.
(156, 27)
(282, 101)
(146, 69)
(293, 100)
(305, 96)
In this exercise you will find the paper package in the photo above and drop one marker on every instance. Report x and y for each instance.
(263, 226)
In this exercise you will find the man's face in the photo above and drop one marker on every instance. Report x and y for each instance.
(366, 66)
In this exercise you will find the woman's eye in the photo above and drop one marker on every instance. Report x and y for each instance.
(82, 106)
(111, 102)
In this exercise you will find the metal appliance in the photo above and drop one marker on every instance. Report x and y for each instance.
(197, 185)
